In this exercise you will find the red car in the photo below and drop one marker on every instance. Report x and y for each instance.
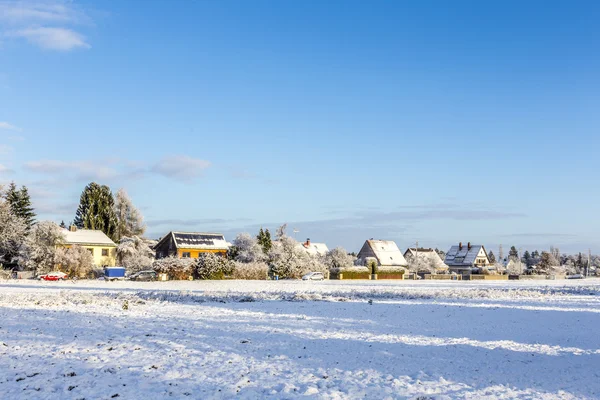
(53, 276)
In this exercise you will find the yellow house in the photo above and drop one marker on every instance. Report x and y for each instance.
(102, 248)
(191, 244)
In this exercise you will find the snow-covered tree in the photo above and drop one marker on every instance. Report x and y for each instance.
(338, 258)
(422, 263)
(246, 249)
(12, 233)
(39, 251)
(134, 254)
(212, 266)
(175, 268)
(130, 221)
(75, 261)
(288, 259)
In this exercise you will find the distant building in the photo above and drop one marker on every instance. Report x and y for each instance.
(385, 252)
(102, 248)
(315, 249)
(465, 259)
(191, 244)
(429, 255)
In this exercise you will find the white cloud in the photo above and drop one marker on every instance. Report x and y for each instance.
(19, 12)
(62, 39)
(175, 167)
(7, 126)
(180, 167)
(83, 170)
(44, 23)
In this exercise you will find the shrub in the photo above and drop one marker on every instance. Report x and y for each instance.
(252, 270)
(211, 266)
(175, 268)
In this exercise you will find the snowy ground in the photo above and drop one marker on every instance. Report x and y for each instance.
(244, 339)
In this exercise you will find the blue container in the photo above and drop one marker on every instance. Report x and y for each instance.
(114, 273)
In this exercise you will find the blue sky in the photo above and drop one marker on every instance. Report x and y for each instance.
(432, 121)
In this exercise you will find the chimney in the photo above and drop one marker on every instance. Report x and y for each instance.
(460, 245)
(307, 244)
(469, 245)
(72, 228)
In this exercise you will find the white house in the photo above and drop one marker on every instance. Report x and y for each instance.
(466, 259)
(315, 249)
(430, 256)
(385, 252)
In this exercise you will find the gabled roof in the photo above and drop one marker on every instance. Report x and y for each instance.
(463, 257)
(387, 252)
(315, 248)
(87, 237)
(197, 240)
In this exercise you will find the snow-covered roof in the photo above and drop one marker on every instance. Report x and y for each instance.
(460, 256)
(315, 248)
(430, 254)
(387, 252)
(87, 237)
(198, 240)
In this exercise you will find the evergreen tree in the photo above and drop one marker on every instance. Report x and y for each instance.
(20, 204)
(491, 256)
(96, 210)
(62, 225)
(527, 258)
(268, 242)
(264, 240)
(513, 254)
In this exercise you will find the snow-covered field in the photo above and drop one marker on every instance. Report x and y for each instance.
(288, 339)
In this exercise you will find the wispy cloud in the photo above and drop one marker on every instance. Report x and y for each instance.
(195, 222)
(61, 39)
(9, 127)
(5, 149)
(181, 167)
(47, 24)
(4, 170)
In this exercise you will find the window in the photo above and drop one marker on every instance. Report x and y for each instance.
(91, 251)
(104, 252)
(186, 254)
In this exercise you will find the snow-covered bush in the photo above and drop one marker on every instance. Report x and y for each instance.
(212, 266)
(76, 261)
(175, 268)
(252, 270)
(288, 259)
(134, 254)
(39, 252)
(246, 249)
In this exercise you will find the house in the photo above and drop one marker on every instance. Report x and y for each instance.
(191, 244)
(466, 259)
(315, 249)
(429, 256)
(385, 252)
(102, 248)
